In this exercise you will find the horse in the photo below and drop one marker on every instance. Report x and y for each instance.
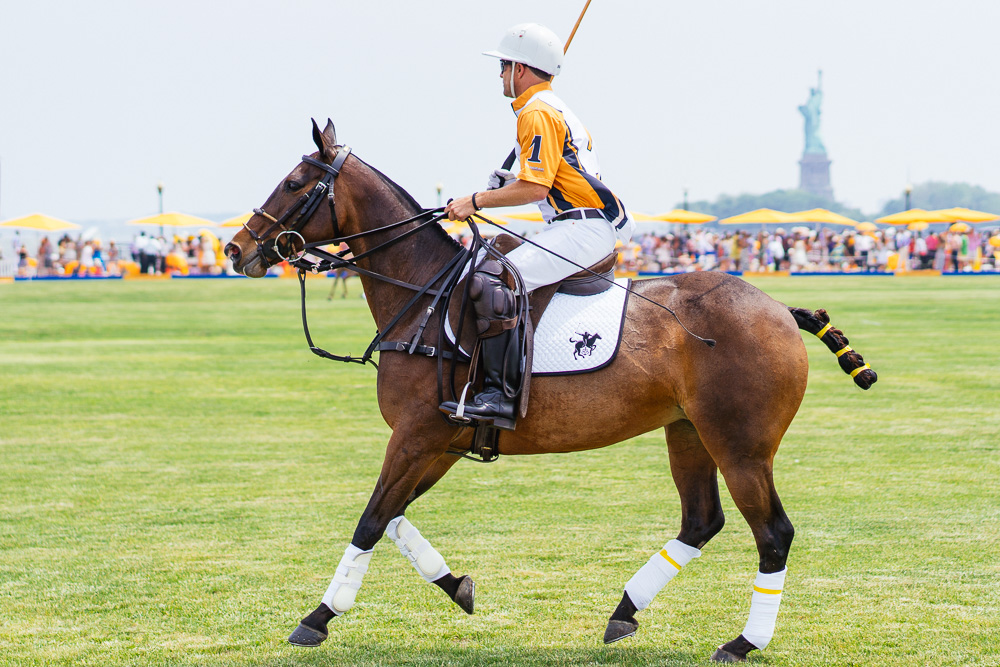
(723, 408)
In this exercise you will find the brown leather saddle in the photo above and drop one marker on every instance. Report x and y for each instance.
(582, 283)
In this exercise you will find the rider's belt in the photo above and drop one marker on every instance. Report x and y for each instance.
(582, 213)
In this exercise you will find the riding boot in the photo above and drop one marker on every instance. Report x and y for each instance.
(496, 314)
(492, 404)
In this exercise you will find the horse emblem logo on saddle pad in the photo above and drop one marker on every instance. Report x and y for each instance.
(585, 344)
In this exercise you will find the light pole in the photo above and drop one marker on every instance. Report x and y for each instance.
(686, 197)
(440, 188)
(159, 191)
(907, 191)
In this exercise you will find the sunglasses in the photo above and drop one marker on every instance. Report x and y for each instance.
(503, 65)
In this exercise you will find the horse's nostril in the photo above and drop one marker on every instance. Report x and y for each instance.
(232, 251)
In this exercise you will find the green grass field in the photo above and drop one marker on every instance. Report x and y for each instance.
(180, 477)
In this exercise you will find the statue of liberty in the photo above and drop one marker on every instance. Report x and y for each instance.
(811, 112)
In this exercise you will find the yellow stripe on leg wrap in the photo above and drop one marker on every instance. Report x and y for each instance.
(769, 591)
(822, 332)
(858, 370)
(844, 350)
(663, 552)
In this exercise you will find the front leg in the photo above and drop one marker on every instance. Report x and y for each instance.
(409, 456)
(461, 590)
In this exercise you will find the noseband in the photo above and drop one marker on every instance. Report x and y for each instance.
(303, 209)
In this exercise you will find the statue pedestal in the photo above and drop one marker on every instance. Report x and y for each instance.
(814, 175)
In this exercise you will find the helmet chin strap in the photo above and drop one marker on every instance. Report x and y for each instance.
(513, 95)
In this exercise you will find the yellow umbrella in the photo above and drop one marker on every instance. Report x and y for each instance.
(995, 241)
(173, 220)
(917, 226)
(760, 216)
(967, 215)
(238, 221)
(866, 227)
(960, 227)
(39, 222)
(913, 215)
(530, 216)
(642, 217)
(681, 217)
(824, 216)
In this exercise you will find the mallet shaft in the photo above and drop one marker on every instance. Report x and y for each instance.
(570, 40)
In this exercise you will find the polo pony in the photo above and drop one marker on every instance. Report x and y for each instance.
(723, 408)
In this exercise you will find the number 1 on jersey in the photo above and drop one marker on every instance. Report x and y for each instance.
(536, 149)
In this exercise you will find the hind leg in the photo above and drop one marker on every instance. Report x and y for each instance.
(695, 475)
(752, 488)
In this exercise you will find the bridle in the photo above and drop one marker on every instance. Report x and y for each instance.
(314, 258)
(304, 208)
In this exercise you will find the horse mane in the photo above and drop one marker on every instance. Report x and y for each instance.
(412, 203)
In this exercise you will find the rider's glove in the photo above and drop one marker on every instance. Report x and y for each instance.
(500, 178)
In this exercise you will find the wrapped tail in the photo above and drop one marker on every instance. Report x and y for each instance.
(818, 324)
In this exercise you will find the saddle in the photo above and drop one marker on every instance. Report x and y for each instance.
(582, 283)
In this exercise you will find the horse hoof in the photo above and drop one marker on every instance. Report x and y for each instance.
(465, 596)
(722, 655)
(306, 636)
(618, 630)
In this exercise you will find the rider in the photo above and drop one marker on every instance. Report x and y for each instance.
(559, 171)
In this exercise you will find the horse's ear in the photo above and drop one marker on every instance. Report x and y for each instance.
(325, 140)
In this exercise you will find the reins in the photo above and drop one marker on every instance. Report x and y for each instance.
(327, 261)
(451, 272)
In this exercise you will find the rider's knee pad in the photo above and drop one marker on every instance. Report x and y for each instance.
(493, 301)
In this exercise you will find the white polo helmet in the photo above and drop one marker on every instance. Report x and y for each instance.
(531, 44)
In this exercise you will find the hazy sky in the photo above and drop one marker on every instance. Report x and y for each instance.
(101, 100)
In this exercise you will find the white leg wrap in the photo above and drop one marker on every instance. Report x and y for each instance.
(347, 580)
(425, 559)
(764, 607)
(661, 568)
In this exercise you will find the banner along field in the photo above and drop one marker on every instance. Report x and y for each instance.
(180, 476)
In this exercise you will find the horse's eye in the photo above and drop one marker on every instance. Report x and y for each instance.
(292, 186)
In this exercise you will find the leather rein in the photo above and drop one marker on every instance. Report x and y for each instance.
(313, 258)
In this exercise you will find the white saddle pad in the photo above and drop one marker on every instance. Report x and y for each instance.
(579, 333)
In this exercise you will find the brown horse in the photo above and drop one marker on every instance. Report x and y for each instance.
(723, 409)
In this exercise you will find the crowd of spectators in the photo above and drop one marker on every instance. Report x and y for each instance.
(803, 250)
(147, 254)
(799, 250)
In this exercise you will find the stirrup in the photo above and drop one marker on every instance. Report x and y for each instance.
(458, 417)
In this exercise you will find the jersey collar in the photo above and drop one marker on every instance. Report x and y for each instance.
(523, 98)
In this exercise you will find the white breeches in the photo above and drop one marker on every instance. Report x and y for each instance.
(346, 582)
(655, 574)
(585, 242)
(425, 559)
(764, 607)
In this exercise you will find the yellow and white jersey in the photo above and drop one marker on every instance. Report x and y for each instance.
(554, 149)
